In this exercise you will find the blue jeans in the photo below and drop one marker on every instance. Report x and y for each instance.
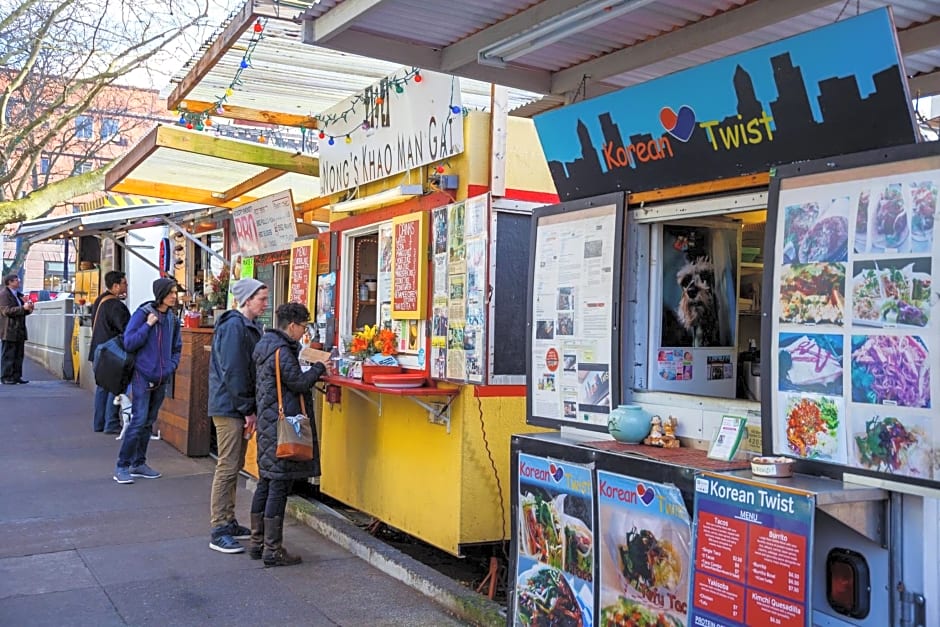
(145, 405)
(106, 412)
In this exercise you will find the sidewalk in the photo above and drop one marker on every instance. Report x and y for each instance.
(79, 549)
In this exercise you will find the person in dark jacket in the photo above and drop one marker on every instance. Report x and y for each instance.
(232, 406)
(280, 346)
(154, 334)
(13, 311)
(109, 317)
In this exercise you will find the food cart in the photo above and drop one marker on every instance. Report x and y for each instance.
(692, 284)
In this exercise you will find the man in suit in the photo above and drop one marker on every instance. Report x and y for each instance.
(13, 311)
(109, 319)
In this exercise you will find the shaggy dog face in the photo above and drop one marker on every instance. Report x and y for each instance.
(698, 308)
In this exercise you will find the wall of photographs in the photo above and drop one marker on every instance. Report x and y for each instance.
(458, 290)
(855, 319)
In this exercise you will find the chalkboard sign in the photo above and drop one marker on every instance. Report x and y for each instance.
(409, 269)
(509, 251)
(303, 257)
(265, 274)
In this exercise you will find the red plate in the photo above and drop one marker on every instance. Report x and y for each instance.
(398, 380)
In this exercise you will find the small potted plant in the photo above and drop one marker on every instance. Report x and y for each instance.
(376, 347)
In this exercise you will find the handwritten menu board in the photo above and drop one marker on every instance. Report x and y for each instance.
(642, 523)
(265, 225)
(409, 270)
(855, 318)
(303, 257)
(752, 549)
(555, 547)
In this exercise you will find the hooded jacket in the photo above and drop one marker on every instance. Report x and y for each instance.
(110, 316)
(158, 347)
(231, 366)
(294, 382)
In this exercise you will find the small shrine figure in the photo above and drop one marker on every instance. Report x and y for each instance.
(655, 438)
(670, 440)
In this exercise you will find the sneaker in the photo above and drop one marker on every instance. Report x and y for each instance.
(225, 544)
(145, 471)
(123, 475)
(237, 531)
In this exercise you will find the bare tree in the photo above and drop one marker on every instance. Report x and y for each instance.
(60, 62)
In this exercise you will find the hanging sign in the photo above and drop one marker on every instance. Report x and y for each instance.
(799, 98)
(752, 553)
(303, 273)
(408, 119)
(409, 266)
(265, 225)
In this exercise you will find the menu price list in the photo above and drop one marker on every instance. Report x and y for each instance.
(750, 562)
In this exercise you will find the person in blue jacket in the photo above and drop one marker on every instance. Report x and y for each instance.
(153, 333)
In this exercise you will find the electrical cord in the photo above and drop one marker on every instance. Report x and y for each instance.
(499, 485)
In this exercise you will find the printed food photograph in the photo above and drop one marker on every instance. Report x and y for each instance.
(861, 222)
(890, 293)
(554, 536)
(813, 293)
(625, 612)
(815, 426)
(814, 235)
(924, 209)
(892, 229)
(886, 442)
(544, 598)
(890, 369)
(810, 363)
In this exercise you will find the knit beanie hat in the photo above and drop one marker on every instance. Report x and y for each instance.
(162, 287)
(244, 289)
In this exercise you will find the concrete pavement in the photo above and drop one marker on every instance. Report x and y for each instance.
(79, 549)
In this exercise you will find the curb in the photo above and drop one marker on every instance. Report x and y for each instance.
(463, 603)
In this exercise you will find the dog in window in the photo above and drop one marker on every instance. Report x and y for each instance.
(694, 321)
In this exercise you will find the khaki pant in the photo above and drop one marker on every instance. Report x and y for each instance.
(230, 436)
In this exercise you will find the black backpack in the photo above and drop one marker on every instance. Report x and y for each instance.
(113, 365)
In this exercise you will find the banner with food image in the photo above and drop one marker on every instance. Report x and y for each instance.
(856, 313)
(554, 544)
(896, 441)
(644, 552)
(892, 292)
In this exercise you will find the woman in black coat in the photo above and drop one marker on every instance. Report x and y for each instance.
(281, 346)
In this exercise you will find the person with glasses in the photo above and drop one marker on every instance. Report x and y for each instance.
(278, 350)
(109, 317)
(153, 333)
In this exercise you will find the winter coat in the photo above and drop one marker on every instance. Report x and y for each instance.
(231, 366)
(12, 316)
(110, 319)
(158, 347)
(294, 382)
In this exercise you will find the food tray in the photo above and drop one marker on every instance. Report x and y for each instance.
(772, 467)
(398, 380)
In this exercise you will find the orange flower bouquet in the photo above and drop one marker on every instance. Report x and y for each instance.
(371, 341)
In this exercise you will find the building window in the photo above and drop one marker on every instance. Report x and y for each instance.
(53, 275)
(83, 127)
(81, 167)
(44, 165)
(109, 127)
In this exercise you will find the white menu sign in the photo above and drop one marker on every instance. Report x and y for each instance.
(265, 225)
(572, 316)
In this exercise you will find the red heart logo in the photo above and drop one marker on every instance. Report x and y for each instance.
(668, 118)
(640, 489)
(552, 469)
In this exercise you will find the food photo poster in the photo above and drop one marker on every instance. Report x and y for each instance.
(554, 578)
(855, 331)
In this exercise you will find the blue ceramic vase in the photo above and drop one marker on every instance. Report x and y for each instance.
(628, 423)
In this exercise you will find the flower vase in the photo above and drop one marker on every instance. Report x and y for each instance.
(628, 423)
(369, 370)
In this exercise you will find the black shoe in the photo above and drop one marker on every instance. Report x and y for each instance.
(8, 382)
(237, 531)
(225, 544)
(20, 381)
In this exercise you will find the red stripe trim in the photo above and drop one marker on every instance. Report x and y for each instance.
(491, 391)
(422, 203)
(516, 194)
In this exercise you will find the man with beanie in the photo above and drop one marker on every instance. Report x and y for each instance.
(154, 334)
(13, 311)
(232, 406)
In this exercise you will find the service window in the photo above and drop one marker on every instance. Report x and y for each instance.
(700, 333)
